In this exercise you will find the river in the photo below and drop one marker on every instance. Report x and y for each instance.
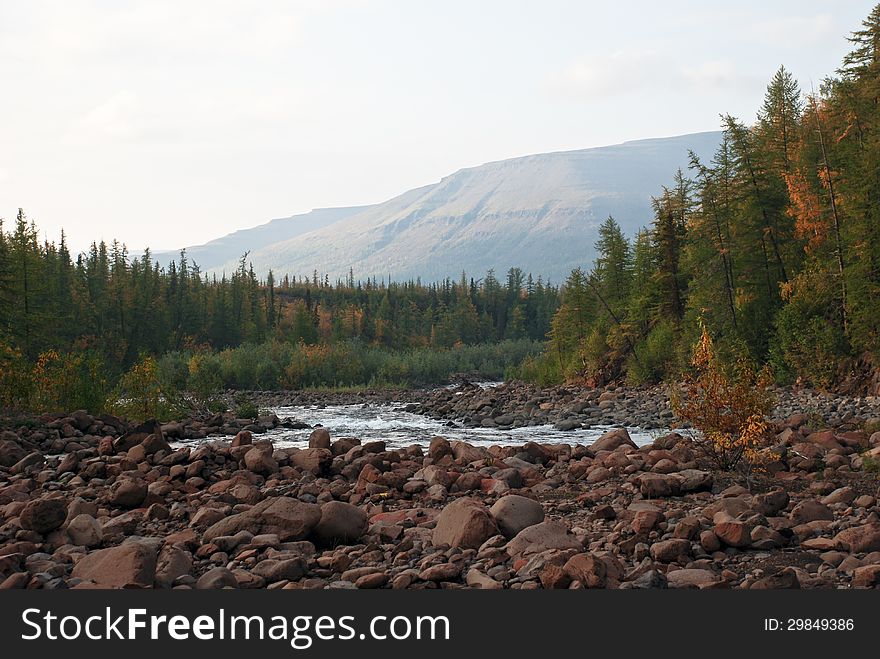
(397, 428)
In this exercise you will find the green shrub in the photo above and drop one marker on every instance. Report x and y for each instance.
(658, 356)
(142, 394)
(245, 407)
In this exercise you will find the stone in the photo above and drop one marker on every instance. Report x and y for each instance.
(30, 463)
(439, 448)
(84, 531)
(694, 480)
(340, 523)
(650, 580)
(11, 452)
(691, 578)
(288, 569)
(612, 440)
(43, 515)
(464, 523)
(550, 534)
(154, 443)
(442, 572)
(859, 539)
(216, 579)
(657, 486)
(465, 453)
(260, 461)
(370, 581)
(314, 460)
(687, 528)
(784, 579)
(866, 576)
(771, 503)
(845, 495)
(477, 579)
(810, 510)
(131, 564)
(137, 435)
(513, 513)
(128, 493)
(733, 533)
(319, 438)
(554, 577)
(646, 521)
(243, 438)
(173, 562)
(599, 474)
(286, 517)
(709, 541)
(590, 570)
(668, 551)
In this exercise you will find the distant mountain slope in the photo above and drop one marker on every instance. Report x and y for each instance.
(536, 212)
(217, 254)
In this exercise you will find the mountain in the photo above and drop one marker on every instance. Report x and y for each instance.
(218, 254)
(538, 212)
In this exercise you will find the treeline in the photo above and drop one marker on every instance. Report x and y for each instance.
(130, 306)
(773, 246)
(70, 327)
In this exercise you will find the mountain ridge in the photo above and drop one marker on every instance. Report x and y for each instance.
(538, 212)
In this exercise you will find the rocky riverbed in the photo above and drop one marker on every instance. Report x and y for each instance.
(95, 502)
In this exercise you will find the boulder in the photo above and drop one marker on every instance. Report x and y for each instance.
(11, 452)
(534, 539)
(464, 523)
(784, 579)
(694, 480)
(611, 440)
(859, 539)
(173, 562)
(85, 531)
(513, 513)
(657, 486)
(243, 438)
(810, 510)
(43, 515)
(128, 493)
(137, 435)
(216, 579)
(668, 551)
(340, 523)
(439, 448)
(466, 453)
(691, 578)
(319, 438)
(129, 564)
(285, 569)
(866, 576)
(290, 519)
(313, 460)
(771, 503)
(260, 461)
(590, 570)
(733, 533)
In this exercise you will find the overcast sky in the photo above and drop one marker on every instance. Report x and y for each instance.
(168, 123)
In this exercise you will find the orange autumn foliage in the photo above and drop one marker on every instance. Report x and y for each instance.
(729, 407)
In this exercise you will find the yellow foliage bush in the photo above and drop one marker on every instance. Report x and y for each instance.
(729, 406)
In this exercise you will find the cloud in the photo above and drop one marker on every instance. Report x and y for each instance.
(605, 74)
(620, 74)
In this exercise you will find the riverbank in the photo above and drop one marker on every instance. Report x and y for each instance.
(91, 502)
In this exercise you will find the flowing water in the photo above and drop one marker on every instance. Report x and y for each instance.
(397, 428)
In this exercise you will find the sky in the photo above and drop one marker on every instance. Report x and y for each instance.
(169, 123)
